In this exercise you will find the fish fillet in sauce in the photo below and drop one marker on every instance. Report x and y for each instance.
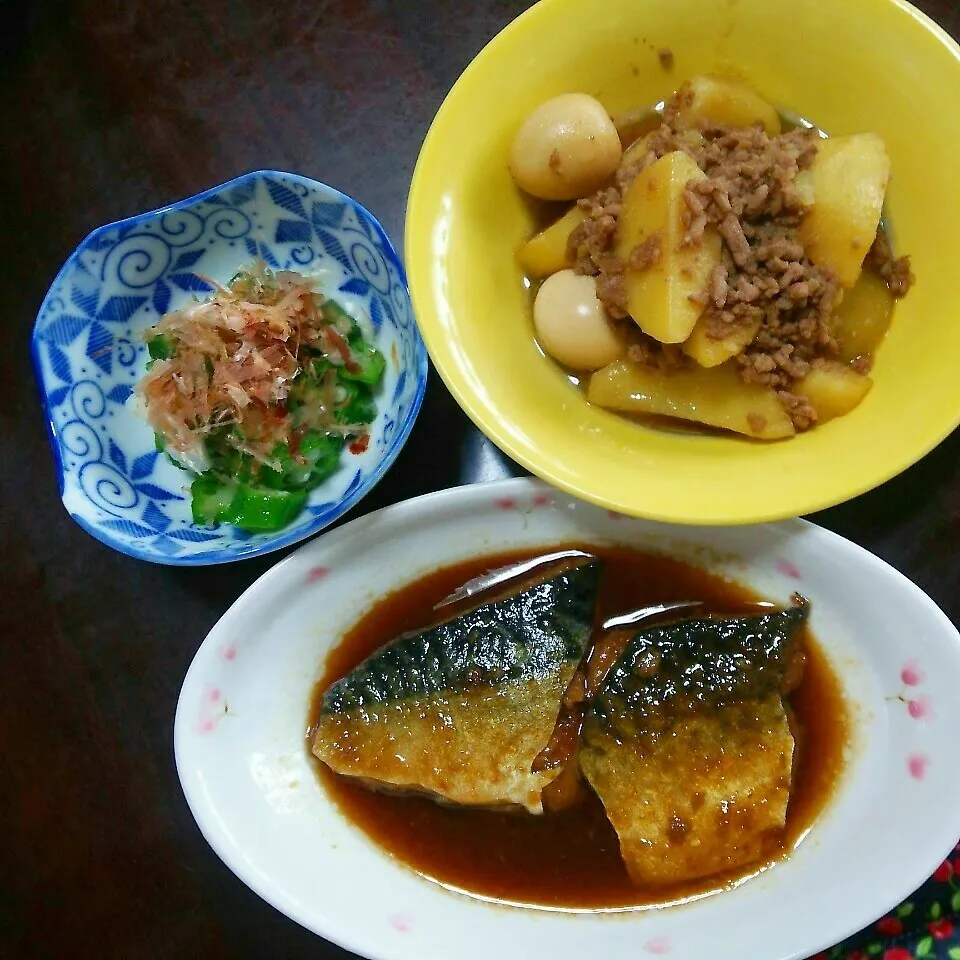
(689, 747)
(461, 710)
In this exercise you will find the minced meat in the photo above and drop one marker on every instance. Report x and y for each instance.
(647, 254)
(894, 270)
(648, 352)
(750, 195)
(590, 247)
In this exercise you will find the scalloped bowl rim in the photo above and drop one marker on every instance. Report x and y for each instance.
(321, 522)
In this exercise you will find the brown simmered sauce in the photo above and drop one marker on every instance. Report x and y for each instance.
(569, 858)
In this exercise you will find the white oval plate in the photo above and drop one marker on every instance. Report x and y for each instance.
(242, 760)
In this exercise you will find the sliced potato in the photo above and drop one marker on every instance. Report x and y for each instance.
(848, 178)
(636, 123)
(803, 184)
(709, 351)
(693, 139)
(862, 319)
(833, 390)
(636, 151)
(716, 397)
(546, 253)
(731, 103)
(658, 298)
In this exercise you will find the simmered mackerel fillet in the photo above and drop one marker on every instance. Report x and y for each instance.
(462, 709)
(689, 747)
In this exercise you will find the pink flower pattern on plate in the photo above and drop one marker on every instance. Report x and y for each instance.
(921, 708)
(918, 764)
(788, 568)
(911, 674)
(213, 707)
(315, 574)
(659, 946)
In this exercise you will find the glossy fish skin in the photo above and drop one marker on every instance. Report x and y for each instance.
(462, 709)
(689, 746)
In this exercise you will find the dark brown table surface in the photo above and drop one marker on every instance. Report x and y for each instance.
(114, 107)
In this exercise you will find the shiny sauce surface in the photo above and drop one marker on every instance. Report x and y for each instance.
(569, 858)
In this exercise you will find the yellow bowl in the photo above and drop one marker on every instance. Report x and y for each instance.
(859, 65)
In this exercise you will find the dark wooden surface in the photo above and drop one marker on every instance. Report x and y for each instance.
(113, 107)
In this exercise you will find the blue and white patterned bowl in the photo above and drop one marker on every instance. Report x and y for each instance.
(88, 354)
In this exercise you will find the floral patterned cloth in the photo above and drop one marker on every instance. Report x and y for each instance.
(926, 926)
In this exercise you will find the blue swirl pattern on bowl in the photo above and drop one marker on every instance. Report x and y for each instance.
(88, 354)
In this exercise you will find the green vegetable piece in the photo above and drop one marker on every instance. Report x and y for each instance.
(159, 441)
(260, 508)
(225, 459)
(274, 479)
(359, 405)
(370, 363)
(335, 314)
(319, 457)
(278, 479)
(212, 499)
(322, 452)
(161, 347)
(315, 368)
